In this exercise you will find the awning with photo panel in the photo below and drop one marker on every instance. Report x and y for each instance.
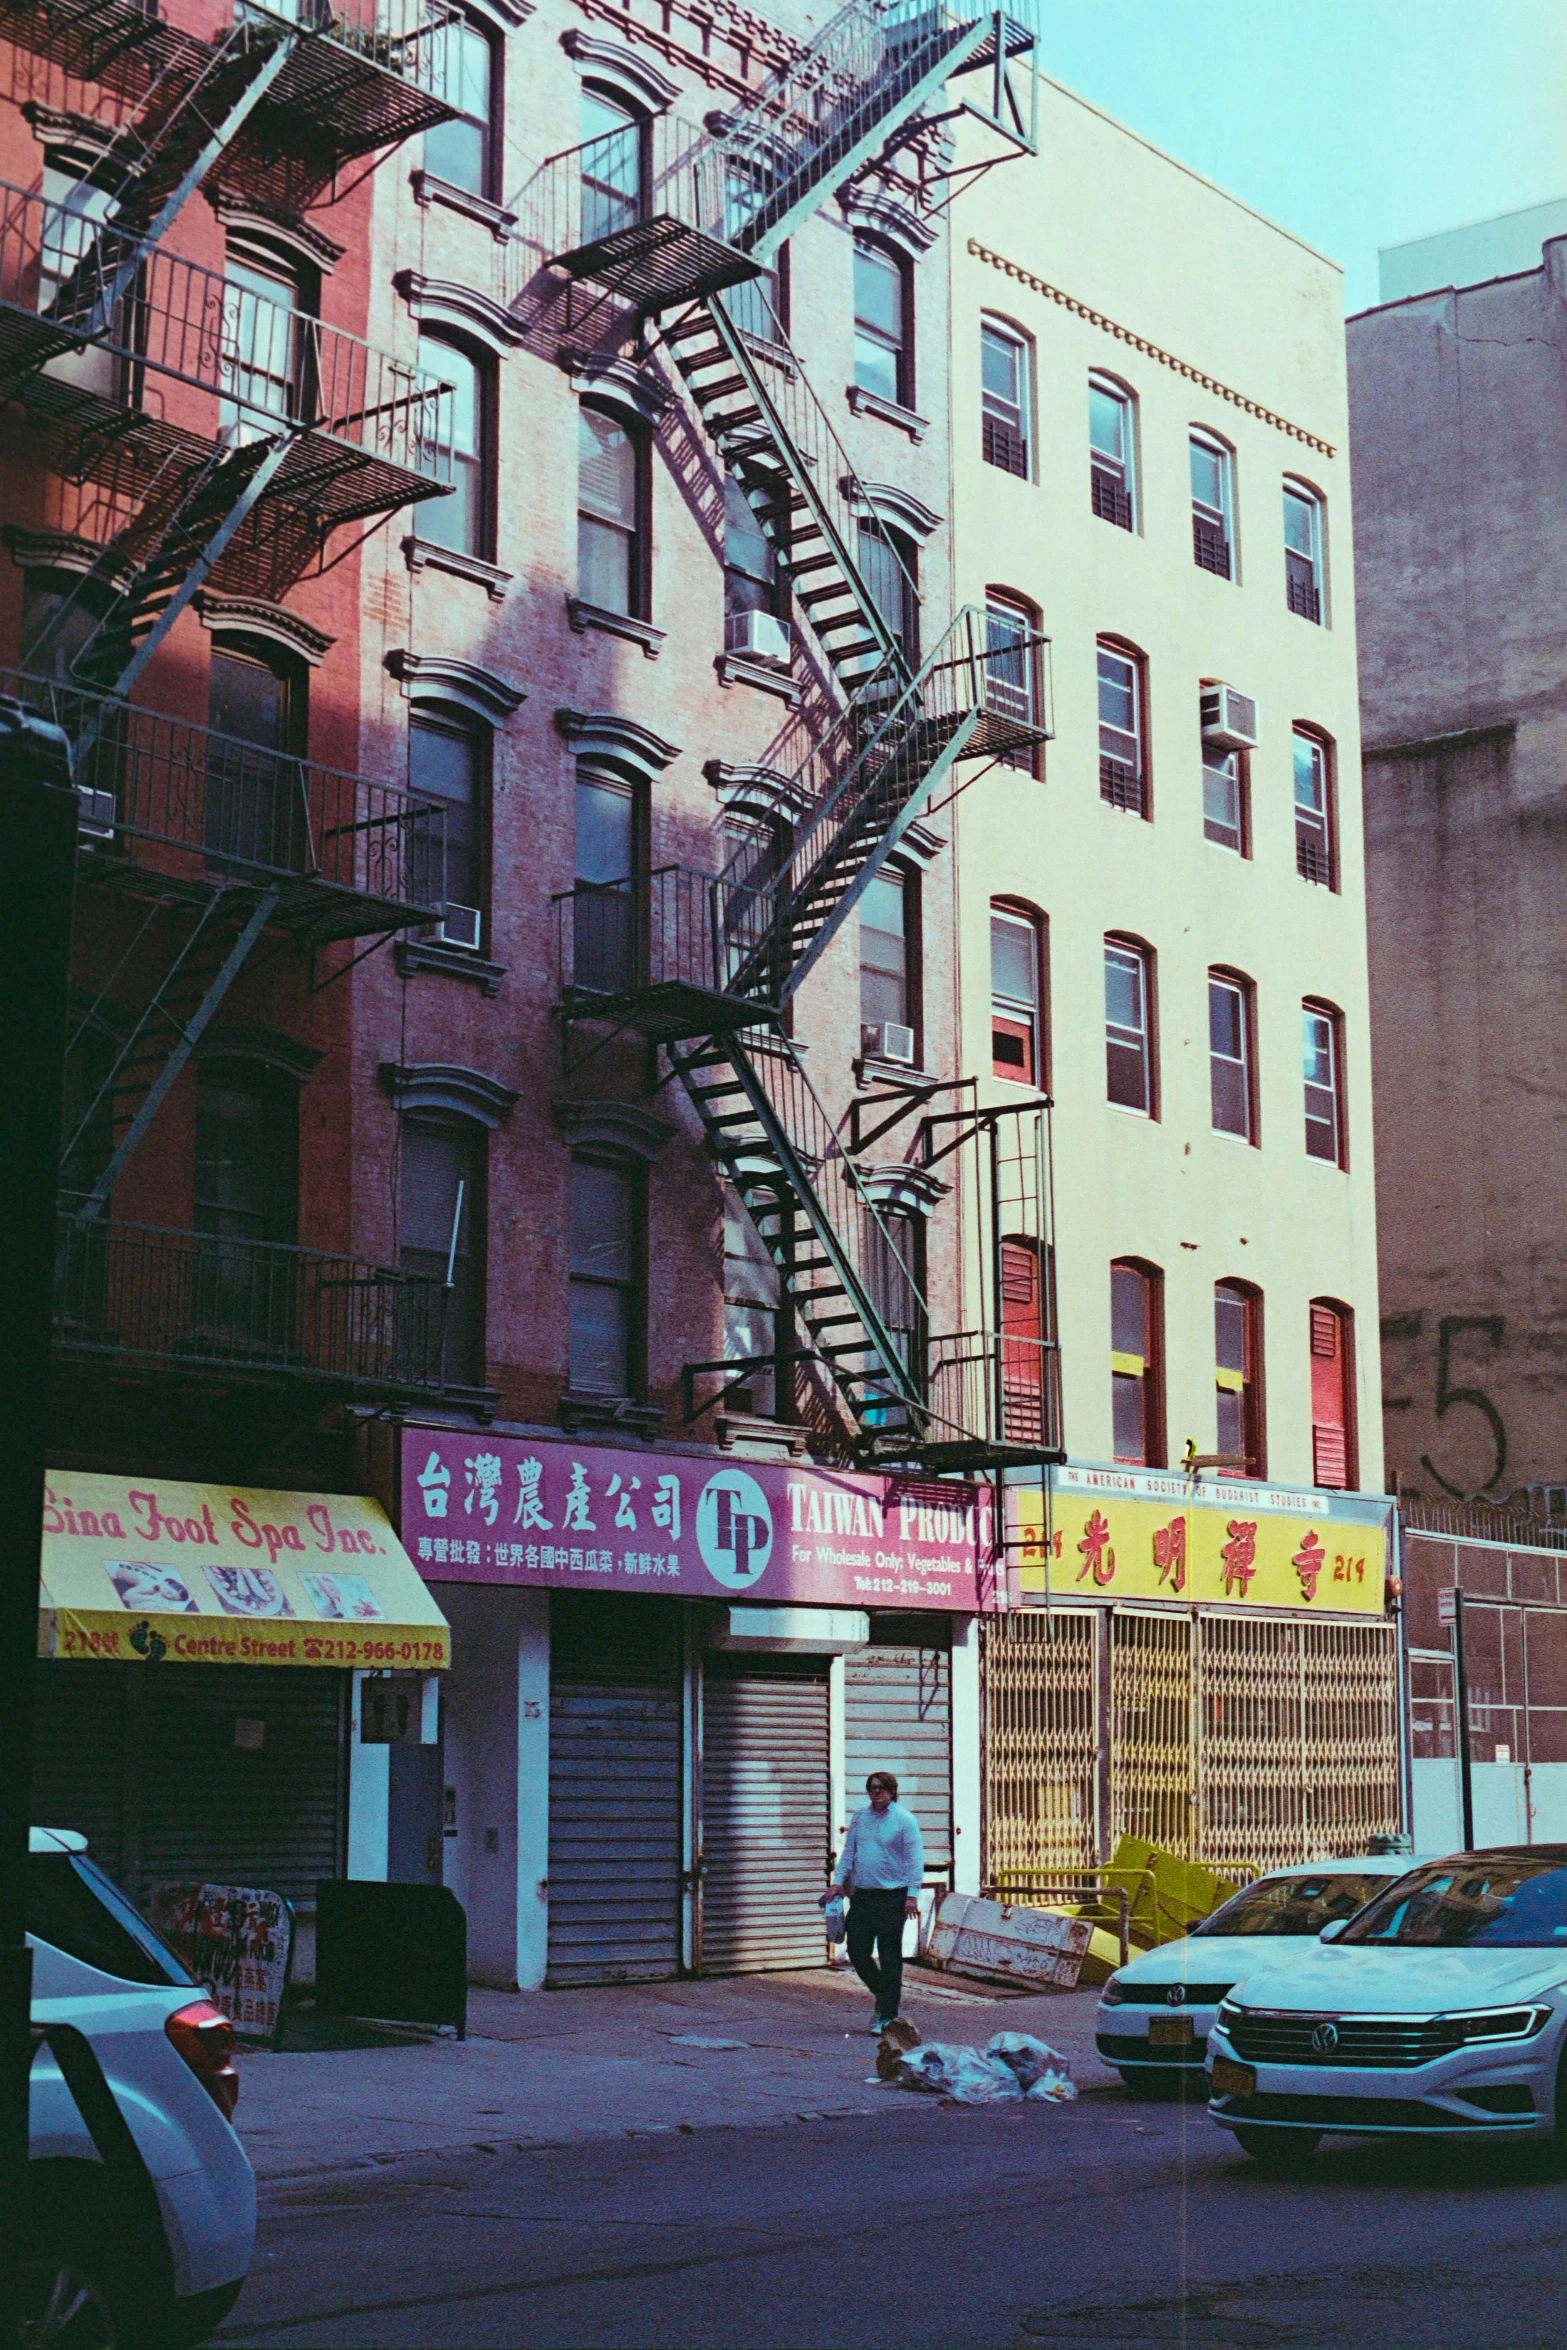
(152, 1570)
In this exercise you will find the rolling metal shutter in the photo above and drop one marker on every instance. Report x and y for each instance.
(898, 1718)
(272, 1815)
(145, 1763)
(765, 1823)
(615, 1790)
(79, 1755)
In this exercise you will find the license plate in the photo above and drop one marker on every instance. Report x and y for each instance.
(1170, 2031)
(1233, 2080)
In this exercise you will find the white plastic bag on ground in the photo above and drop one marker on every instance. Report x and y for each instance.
(1042, 2071)
(967, 2075)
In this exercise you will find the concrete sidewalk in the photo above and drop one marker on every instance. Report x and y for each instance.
(545, 2068)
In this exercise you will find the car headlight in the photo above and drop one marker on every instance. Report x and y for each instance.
(1230, 2013)
(1112, 1994)
(1486, 2024)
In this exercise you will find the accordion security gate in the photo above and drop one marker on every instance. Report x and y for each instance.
(1244, 1741)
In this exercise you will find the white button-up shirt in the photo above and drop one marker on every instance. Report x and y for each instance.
(883, 1852)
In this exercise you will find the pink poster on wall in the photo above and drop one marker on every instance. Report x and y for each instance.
(478, 1508)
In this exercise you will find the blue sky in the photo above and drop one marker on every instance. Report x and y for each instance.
(1354, 123)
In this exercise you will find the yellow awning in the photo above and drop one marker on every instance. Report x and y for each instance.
(144, 1569)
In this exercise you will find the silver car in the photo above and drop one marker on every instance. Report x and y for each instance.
(1155, 2013)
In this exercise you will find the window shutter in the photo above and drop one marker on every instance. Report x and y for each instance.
(1018, 1269)
(1324, 1333)
(1003, 445)
(1329, 1457)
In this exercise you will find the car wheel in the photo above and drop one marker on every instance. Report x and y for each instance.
(1280, 2150)
(70, 2303)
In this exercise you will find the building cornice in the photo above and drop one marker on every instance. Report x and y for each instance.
(254, 616)
(1150, 350)
(301, 238)
(616, 63)
(464, 310)
(430, 677)
(623, 1127)
(446, 1086)
(611, 741)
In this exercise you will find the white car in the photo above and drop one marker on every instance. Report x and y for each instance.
(141, 2211)
(1156, 2012)
(1439, 2011)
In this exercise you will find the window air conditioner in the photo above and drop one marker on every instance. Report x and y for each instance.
(458, 927)
(1229, 719)
(888, 1040)
(758, 635)
(94, 813)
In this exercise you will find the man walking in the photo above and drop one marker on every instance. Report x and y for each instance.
(881, 1866)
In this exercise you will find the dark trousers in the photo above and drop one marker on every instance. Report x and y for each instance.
(876, 1923)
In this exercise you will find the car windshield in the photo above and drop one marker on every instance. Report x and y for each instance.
(72, 1904)
(1300, 1904)
(1511, 1903)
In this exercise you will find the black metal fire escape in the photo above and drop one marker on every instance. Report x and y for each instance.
(706, 965)
(269, 431)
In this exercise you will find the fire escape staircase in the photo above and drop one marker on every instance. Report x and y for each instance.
(714, 994)
(270, 109)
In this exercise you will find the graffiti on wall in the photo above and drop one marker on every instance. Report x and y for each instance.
(1464, 1417)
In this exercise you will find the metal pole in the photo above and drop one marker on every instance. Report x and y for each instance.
(1461, 1727)
(37, 875)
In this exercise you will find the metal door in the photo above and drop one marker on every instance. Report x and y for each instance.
(1497, 1711)
(898, 1718)
(615, 1789)
(1039, 1682)
(765, 1825)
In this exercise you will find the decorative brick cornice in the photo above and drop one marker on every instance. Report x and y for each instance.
(254, 616)
(1150, 350)
(438, 302)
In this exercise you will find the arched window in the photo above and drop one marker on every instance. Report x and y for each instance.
(1026, 1341)
(1123, 726)
(614, 162)
(254, 819)
(1112, 447)
(611, 496)
(1314, 842)
(461, 151)
(442, 1227)
(1132, 1063)
(1137, 1362)
(1213, 504)
(1232, 1054)
(1333, 1449)
(1303, 536)
(1322, 1053)
(1237, 1355)
(1005, 397)
(448, 766)
(1017, 993)
(883, 322)
(1014, 679)
(462, 521)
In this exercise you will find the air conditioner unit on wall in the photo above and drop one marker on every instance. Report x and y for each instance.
(459, 926)
(888, 1040)
(759, 636)
(1229, 719)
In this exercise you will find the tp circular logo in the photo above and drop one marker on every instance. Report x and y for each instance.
(734, 1529)
(1325, 2039)
(1176, 1995)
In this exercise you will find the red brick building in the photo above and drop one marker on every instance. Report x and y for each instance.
(498, 587)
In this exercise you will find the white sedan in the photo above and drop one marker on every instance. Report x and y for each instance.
(1155, 2013)
(1439, 2011)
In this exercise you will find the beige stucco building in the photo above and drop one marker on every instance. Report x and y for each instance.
(1213, 327)
(1165, 927)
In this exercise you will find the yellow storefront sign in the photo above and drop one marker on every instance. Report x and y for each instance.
(1139, 1534)
(144, 1569)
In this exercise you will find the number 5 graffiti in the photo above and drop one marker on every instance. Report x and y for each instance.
(1449, 1328)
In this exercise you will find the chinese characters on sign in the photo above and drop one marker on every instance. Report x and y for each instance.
(1154, 1534)
(237, 1940)
(546, 1512)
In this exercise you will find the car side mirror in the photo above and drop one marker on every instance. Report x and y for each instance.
(1332, 1930)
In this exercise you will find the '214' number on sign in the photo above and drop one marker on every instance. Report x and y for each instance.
(1348, 1570)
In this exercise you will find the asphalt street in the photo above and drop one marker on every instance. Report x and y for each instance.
(1103, 2222)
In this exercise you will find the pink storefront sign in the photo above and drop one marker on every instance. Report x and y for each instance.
(478, 1508)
